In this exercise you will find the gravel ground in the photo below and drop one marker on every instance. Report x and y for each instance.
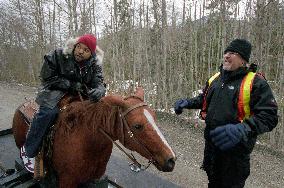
(267, 167)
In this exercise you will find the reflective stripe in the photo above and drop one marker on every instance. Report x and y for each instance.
(213, 78)
(244, 96)
(204, 105)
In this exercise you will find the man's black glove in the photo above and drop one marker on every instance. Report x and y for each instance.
(97, 93)
(180, 105)
(76, 87)
(228, 136)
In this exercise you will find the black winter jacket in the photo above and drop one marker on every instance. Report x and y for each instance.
(60, 71)
(222, 105)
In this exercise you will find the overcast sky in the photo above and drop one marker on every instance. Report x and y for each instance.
(104, 8)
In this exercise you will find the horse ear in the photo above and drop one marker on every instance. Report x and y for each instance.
(140, 93)
(115, 100)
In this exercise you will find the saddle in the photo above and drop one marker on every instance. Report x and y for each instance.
(28, 110)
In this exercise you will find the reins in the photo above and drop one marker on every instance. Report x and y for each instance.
(121, 149)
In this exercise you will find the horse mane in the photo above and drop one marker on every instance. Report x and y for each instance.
(104, 114)
(88, 114)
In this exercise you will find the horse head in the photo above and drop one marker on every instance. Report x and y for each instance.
(139, 131)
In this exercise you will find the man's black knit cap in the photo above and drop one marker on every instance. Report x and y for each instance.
(241, 46)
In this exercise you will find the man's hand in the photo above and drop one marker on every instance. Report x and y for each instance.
(76, 87)
(180, 105)
(228, 136)
(97, 93)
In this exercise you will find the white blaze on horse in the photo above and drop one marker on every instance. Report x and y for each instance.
(82, 144)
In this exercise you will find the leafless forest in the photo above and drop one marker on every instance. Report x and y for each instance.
(169, 47)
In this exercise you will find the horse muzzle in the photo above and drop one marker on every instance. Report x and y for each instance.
(168, 165)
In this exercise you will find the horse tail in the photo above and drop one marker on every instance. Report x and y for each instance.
(20, 128)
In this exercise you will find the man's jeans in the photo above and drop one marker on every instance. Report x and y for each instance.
(42, 120)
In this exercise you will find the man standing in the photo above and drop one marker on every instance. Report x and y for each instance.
(237, 105)
(75, 69)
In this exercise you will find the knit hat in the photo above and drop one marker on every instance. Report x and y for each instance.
(89, 40)
(241, 46)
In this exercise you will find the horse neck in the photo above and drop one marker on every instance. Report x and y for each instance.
(114, 127)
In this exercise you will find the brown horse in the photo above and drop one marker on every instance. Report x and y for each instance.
(81, 150)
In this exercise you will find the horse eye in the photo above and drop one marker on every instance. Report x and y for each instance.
(137, 126)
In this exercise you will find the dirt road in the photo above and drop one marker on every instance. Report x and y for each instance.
(267, 169)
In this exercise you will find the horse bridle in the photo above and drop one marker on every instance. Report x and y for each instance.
(138, 165)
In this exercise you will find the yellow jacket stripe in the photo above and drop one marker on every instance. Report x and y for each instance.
(244, 95)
